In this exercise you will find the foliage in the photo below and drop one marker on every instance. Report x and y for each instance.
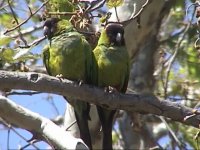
(114, 3)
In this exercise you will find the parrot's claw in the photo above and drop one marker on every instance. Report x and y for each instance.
(100, 129)
(23, 67)
(60, 77)
(110, 89)
(80, 82)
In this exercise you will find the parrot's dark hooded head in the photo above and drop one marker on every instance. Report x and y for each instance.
(115, 33)
(55, 26)
(50, 27)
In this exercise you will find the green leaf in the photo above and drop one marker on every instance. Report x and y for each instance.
(4, 40)
(6, 20)
(114, 3)
(6, 54)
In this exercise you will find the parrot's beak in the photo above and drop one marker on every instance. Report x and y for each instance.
(46, 30)
(119, 38)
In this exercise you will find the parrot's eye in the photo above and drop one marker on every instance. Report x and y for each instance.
(115, 33)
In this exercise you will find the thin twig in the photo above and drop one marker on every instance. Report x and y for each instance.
(180, 145)
(196, 4)
(13, 129)
(181, 30)
(126, 22)
(27, 145)
(16, 20)
(62, 13)
(27, 30)
(134, 10)
(195, 112)
(8, 137)
(116, 14)
(70, 125)
(172, 59)
(34, 43)
(196, 137)
(189, 117)
(95, 5)
(20, 24)
(1, 5)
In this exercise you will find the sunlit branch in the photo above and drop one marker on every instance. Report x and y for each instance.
(34, 43)
(129, 102)
(41, 127)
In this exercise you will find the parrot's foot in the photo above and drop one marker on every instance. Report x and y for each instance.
(80, 82)
(59, 76)
(23, 67)
(100, 129)
(110, 89)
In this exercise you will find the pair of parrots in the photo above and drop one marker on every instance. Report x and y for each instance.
(69, 54)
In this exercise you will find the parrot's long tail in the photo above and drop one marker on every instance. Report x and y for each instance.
(81, 111)
(82, 122)
(106, 117)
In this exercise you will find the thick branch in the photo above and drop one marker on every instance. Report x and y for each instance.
(130, 102)
(33, 122)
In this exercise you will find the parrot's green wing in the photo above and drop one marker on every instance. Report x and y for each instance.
(91, 72)
(45, 57)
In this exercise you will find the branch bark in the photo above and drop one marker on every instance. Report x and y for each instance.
(142, 103)
(24, 118)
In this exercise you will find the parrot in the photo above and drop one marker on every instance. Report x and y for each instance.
(112, 70)
(69, 54)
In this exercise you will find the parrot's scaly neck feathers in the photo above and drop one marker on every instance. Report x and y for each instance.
(63, 26)
(104, 39)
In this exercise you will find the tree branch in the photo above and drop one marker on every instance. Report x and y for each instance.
(24, 118)
(142, 103)
(29, 17)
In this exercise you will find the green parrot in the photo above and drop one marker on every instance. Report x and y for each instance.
(70, 55)
(113, 69)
